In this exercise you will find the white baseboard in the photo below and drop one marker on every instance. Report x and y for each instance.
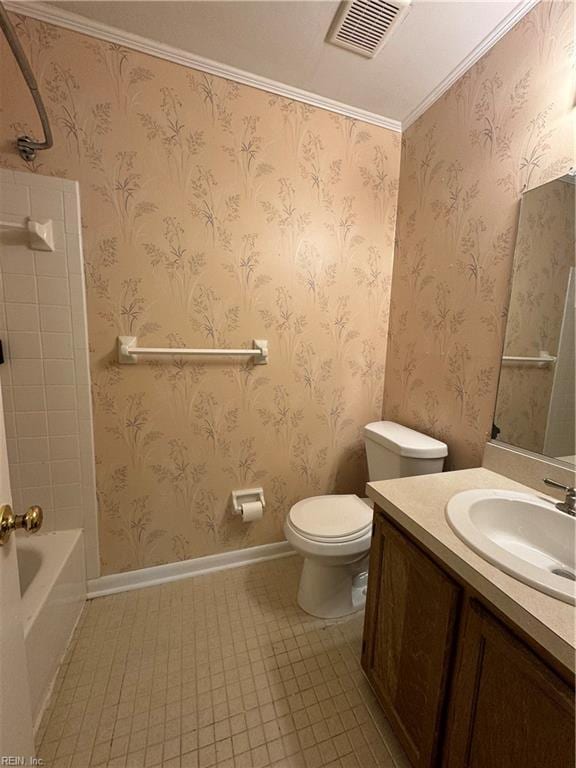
(184, 569)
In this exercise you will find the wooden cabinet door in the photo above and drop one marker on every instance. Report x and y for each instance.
(508, 709)
(409, 636)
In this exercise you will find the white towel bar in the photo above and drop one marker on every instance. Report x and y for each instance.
(12, 225)
(128, 351)
(542, 360)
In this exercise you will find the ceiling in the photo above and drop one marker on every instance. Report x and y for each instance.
(284, 40)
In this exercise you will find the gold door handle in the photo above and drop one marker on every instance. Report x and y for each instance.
(30, 521)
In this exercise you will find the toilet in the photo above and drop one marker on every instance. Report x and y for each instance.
(333, 533)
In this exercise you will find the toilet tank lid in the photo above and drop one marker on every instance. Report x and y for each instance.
(405, 441)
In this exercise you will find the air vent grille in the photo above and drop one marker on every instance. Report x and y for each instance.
(363, 26)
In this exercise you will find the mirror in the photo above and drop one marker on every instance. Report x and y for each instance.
(536, 393)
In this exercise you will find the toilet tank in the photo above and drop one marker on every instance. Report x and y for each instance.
(396, 451)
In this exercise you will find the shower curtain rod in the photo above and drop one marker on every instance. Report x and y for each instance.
(26, 145)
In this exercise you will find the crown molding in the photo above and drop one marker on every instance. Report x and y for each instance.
(61, 18)
(490, 40)
(76, 23)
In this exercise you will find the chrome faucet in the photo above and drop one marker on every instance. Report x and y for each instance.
(569, 503)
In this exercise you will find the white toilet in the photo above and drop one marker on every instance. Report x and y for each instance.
(333, 533)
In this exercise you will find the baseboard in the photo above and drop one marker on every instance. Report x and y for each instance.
(185, 569)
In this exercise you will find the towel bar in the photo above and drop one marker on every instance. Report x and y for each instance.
(128, 352)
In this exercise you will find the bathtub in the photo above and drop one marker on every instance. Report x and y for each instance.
(53, 588)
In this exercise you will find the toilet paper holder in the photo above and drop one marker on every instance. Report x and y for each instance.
(243, 497)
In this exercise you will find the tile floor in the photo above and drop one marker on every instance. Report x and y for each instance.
(219, 670)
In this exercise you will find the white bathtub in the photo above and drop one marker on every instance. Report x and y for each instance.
(53, 589)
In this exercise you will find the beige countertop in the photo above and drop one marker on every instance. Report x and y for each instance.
(418, 505)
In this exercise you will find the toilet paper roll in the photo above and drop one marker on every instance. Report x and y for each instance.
(252, 510)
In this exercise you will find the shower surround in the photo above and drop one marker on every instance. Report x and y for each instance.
(214, 213)
(45, 379)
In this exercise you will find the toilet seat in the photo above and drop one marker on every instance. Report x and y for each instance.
(332, 519)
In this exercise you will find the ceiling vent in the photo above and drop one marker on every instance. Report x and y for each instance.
(363, 26)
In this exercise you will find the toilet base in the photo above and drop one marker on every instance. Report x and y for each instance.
(332, 591)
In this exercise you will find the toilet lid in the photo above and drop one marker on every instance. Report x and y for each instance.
(333, 516)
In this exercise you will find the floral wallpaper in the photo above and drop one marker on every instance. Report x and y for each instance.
(213, 214)
(505, 126)
(543, 258)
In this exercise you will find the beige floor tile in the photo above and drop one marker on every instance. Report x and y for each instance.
(221, 670)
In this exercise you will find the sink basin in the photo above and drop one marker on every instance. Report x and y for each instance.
(520, 533)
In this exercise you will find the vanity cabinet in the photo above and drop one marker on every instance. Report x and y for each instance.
(507, 708)
(411, 613)
(460, 689)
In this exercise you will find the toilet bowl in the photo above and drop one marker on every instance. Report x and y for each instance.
(333, 533)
